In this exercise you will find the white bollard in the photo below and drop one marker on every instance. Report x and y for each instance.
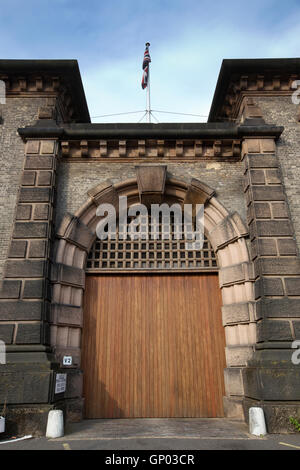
(55, 424)
(257, 424)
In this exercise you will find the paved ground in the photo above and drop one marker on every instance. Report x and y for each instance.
(159, 434)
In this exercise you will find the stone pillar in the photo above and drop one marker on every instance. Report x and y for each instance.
(25, 291)
(271, 378)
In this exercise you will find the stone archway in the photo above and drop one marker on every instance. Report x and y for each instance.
(225, 231)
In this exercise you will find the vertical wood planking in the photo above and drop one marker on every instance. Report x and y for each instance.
(153, 346)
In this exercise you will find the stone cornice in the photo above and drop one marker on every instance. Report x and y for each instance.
(251, 77)
(50, 78)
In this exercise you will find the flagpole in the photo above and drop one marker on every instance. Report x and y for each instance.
(148, 90)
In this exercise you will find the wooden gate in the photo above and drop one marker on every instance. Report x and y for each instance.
(153, 346)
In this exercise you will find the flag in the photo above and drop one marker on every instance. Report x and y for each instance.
(146, 61)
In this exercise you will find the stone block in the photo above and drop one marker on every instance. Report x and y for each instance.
(35, 195)
(74, 231)
(25, 268)
(39, 163)
(74, 384)
(41, 211)
(66, 315)
(10, 289)
(256, 177)
(262, 161)
(277, 266)
(236, 273)
(23, 212)
(68, 275)
(238, 355)
(273, 330)
(263, 247)
(30, 230)
(28, 178)
(267, 193)
(237, 313)
(6, 333)
(279, 210)
(278, 308)
(234, 381)
(44, 178)
(18, 249)
(273, 177)
(32, 146)
(271, 286)
(29, 333)
(273, 228)
(37, 249)
(33, 289)
(292, 285)
(47, 146)
(287, 247)
(261, 210)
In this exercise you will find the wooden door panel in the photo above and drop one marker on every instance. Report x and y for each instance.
(153, 346)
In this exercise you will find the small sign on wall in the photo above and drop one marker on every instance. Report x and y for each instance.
(60, 383)
(67, 360)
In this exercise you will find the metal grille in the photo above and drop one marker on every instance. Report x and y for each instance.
(138, 255)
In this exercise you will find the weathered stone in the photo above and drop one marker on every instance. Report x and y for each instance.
(278, 308)
(6, 333)
(267, 193)
(33, 289)
(287, 247)
(279, 266)
(35, 195)
(236, 273)
(37, 249)
(25, 268)
(28, 178)
(39, 163)
(262, 161)
(33, 146)
(292, 285)
(18, 249)
(273, 330)
(237, 313)
(74, 231)
(66, 315)
(269, 286)
(234, 381)
(28, 333)
(23, 212)
(30, 230)
(21, 310)
(68, 275)
(273, 228)
(10, 289)
(44, 178)
(41, 211)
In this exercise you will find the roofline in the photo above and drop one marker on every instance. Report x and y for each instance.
(67, 69)
(230, 67)
(149, 131)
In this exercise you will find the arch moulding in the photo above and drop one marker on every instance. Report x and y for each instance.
(226, 232)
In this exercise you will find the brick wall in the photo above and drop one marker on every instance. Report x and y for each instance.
(76, 178)
(17, 112)
(281, 111)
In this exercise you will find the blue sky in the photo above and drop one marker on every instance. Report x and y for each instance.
(189, 39)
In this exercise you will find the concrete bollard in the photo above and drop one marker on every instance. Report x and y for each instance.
(55, 424)
(257, 424)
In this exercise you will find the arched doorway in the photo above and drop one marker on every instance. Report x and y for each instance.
(226, 233)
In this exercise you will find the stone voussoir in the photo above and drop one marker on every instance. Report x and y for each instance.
(68, 275)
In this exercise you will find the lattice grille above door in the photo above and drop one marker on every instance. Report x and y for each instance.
(149, 255)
